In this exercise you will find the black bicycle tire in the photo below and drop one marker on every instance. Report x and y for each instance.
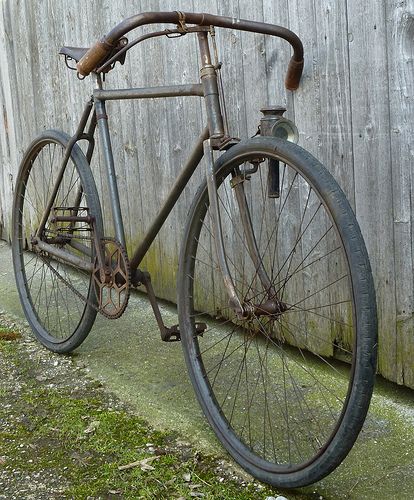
(89, 313)
(365, 304)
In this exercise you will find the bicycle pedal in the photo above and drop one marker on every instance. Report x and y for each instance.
(200, 328)
(172, 334)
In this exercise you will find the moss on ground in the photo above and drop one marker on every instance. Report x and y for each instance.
(95, 449)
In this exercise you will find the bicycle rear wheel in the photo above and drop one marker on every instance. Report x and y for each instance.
(285, 390)
(58, 299)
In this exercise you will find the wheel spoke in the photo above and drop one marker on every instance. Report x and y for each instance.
(53, 290)
(278, 378)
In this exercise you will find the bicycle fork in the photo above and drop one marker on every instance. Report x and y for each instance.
(243, 309)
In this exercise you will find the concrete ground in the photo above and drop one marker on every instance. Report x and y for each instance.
(128, 356)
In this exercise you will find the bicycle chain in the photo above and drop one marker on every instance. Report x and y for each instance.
(86, 300)
(69, 285)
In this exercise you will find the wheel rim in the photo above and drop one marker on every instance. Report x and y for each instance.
(284, 404)
(55, 294)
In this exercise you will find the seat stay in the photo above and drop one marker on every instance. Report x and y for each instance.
(64, 162)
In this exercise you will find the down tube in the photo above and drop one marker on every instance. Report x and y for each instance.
(177, 188)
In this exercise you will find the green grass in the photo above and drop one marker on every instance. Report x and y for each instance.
(78, 436)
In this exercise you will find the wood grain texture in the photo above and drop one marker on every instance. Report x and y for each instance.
(400, 37)
(373, 161)
(354, 110)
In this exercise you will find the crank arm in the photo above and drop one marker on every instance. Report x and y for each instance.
(100, 255)
(168, 334)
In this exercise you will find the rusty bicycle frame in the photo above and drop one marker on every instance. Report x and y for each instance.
(101, 58)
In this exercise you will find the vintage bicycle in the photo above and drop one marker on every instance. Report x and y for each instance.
(276, 303)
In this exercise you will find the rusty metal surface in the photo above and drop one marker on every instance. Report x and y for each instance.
(112, 288)
(109, 165)
(206, 20)
(63, 255)
(171, 33)
(234, 300)
(211, 93)
(195, 89)
(102, 49)
(65, 159)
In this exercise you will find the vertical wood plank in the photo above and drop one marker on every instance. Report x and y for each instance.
(253, 60)
(183, 124)
(278, 53)
(400, 36)
(13, 110)
(7, 127)
(372, 159)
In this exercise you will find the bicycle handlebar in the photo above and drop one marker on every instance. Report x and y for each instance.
(100, 50)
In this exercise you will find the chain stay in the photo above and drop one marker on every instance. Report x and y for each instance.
(122, 267)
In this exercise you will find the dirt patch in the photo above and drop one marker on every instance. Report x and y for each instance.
(8, 334)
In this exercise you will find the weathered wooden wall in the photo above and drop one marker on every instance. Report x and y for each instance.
(354, 110)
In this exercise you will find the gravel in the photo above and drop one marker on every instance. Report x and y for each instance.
(49, 370)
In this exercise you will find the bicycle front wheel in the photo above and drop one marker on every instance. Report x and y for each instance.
(58, 298)
(286, 388)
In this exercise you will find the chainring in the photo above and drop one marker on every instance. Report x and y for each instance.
(113, 287)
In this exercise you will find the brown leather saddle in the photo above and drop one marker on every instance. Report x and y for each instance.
(76, 54)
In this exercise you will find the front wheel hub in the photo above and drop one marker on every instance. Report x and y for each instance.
(270, 307)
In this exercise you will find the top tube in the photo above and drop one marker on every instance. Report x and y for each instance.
(100, 50)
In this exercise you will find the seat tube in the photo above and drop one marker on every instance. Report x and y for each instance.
(208, 77)
(105, 140)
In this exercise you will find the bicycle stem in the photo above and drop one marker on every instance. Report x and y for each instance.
(208, 78)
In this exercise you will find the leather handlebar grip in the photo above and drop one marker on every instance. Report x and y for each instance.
(294, 72)
(95, 55)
